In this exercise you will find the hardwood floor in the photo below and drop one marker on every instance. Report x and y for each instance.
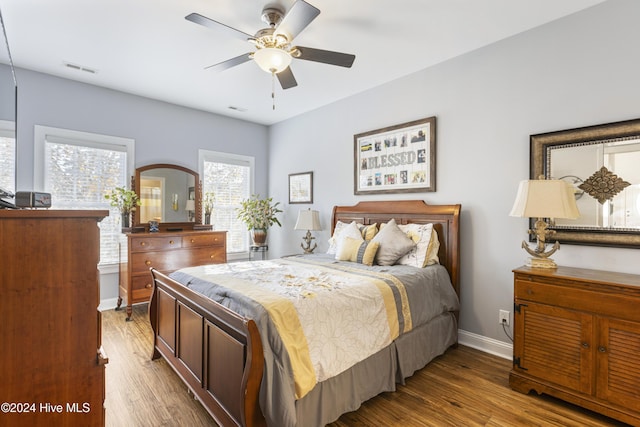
(465, 387)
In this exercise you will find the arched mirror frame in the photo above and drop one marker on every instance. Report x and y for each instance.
(540, 165)
(171, 226)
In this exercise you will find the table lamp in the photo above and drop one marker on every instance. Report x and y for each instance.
(190, 207)
(540, 199)
(308, 220)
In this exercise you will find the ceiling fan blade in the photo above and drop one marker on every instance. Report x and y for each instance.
(325, 56)
(286, 79)
(299, 16)
(221, 66)
(217, 26)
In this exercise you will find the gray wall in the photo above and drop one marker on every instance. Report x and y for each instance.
(578, 71)
(163, 133)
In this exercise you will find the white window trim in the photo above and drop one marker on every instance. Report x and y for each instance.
(44, 133)
(238, 159)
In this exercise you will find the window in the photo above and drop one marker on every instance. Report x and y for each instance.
(78, 169)
(7, 156)
(230, 178)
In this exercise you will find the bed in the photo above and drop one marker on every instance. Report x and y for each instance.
(219, 353)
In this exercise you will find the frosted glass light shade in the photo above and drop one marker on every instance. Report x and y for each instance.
(271, 59)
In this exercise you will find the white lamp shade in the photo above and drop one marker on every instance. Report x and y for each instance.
(191, 205)
(271, 59)
(545, 198)
(308, 220)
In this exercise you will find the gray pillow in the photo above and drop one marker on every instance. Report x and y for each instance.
(394, 243)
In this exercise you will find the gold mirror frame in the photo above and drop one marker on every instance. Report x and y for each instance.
(539, 146)
(171, 226)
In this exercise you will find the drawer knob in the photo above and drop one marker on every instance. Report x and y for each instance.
(585, 345)
(171, 242)
(602, 349)
(212, 256)
(193, 240)
(147, 262)
(148, 286)
(143, 243)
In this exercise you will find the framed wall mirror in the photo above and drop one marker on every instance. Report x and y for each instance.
(601, 162)
(170, 195)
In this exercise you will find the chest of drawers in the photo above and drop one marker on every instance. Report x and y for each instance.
(166, 252)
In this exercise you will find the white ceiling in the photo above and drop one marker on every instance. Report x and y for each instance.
(147, 48)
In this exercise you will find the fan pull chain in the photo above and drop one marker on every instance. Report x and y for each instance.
(273, 89)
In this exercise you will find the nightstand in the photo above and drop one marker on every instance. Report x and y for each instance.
(258, 249)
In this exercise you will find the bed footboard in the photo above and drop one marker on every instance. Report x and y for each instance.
(216, 352)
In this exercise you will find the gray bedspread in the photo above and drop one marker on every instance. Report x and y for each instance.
(430, 296)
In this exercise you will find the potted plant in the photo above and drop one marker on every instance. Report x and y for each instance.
(126, 201)
(258, 215)
(209, 198)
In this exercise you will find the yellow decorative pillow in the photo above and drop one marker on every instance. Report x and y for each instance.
(368, 231)
(359, 251)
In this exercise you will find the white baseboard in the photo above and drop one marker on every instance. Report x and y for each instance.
(488, 345)
(108, 304)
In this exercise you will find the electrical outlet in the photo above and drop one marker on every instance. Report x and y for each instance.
(503, 317)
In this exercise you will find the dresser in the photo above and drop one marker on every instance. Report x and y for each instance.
(577, 337)
(51, 360)
(166, 252)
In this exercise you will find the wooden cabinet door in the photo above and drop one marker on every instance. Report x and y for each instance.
(553, 344)
(617, 359)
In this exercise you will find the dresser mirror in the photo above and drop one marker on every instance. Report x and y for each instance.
(601, 162)
(170, 195)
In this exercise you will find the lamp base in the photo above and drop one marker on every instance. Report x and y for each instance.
(541, 263)
(308, 249)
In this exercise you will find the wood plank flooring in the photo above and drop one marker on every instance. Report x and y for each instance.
(464, 387)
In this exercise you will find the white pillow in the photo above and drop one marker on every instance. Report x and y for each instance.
(333, 241)
(427, 245)
(350, 231)
(394, 243)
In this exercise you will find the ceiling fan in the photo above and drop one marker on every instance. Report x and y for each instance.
(274, 51)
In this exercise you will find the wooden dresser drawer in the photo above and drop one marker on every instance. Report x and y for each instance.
(216, 239)
(143, 261)
(141, 287)
(173, 260)
(209, 255)
(150, 243)
(567, 293)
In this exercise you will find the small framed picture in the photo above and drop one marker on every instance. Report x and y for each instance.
(301, 187)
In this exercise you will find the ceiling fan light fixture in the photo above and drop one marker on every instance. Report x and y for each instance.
(271, 59)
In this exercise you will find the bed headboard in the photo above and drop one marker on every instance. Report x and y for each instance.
(445, 219)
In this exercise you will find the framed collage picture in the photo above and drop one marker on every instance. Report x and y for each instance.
(396, 159)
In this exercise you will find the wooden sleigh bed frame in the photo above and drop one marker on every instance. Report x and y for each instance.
(219, 355)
